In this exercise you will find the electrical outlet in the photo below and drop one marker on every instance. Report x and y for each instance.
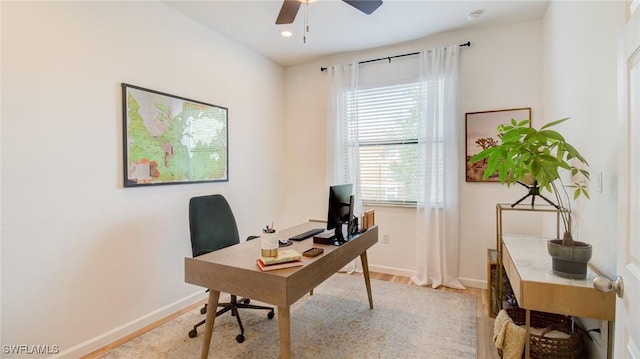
(385, 238)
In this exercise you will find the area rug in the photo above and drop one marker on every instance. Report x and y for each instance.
(335, 322)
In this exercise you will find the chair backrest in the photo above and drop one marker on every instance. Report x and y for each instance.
(212, 224)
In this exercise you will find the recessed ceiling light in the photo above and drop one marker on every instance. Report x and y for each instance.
(286, 33)
(474, 15)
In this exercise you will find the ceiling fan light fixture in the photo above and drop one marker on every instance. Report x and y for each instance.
(290, 8)
(285, 33)
(473, 16)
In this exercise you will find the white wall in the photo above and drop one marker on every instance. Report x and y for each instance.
(580, 47)
(502, 69)
(85, 261)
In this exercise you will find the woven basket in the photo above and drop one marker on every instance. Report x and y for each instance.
(543, 347)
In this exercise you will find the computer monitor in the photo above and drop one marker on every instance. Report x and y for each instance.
(340, 211)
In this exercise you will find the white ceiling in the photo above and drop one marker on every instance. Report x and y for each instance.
(336, 27)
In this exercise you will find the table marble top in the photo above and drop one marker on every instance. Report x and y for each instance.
(533, 262)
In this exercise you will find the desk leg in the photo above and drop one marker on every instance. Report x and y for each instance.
(527, 331)
(284, 321)
(214, 295)
(367, 280)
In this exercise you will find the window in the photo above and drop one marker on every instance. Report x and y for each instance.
(387, 120)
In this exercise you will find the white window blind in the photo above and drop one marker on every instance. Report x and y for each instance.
(387, 130)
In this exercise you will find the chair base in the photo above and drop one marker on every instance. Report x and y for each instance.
(232, 306)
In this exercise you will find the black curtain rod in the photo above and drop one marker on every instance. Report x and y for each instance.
(468, 43)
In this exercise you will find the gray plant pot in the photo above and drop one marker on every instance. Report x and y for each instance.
(569, 261)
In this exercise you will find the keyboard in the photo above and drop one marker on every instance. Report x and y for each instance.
(307, 234)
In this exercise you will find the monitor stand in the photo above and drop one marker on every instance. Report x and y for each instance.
(339, 242)
(341, 237)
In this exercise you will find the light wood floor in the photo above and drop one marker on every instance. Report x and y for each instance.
(486, 349)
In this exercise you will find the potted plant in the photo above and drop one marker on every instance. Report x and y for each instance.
(525, 153)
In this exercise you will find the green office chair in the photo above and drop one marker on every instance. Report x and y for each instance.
(213, 227)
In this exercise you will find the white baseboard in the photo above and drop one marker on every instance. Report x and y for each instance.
(473, 283)
(392, 271)
(122, 331)
(467, 282)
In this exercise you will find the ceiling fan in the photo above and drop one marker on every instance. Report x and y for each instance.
(289, 8)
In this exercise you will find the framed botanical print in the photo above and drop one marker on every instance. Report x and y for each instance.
(481, 133)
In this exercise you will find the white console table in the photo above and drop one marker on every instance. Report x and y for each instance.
(528, 266)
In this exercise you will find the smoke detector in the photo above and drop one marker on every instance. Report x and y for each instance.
(473, 16)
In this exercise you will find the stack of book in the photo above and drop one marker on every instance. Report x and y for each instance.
(286, 258)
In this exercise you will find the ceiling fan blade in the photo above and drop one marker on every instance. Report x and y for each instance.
(288, 12)
(366, 6)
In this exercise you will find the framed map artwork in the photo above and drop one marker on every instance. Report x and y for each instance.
(170, 139)
(481, 133)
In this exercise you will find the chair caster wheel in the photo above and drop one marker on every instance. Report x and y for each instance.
(246, 301)
(240, 338)
(271, 314)
(193, 333)
(203, 310)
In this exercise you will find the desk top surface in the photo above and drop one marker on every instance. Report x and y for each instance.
(243, 255)
(234, 270)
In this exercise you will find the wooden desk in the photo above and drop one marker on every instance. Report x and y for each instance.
(528, 266)
(234, 270)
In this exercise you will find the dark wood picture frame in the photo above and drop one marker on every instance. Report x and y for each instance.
(168, 139)
(480, 133)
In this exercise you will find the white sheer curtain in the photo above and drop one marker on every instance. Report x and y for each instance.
(439, 165)
(343, 163)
